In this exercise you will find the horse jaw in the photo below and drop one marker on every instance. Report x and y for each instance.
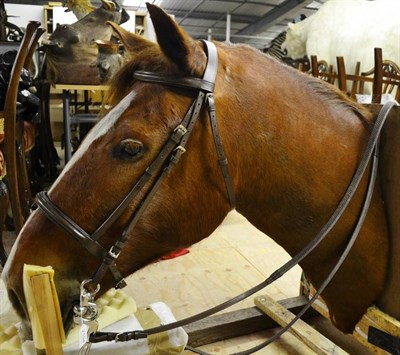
(23, 253)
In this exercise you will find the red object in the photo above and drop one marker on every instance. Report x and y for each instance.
(175, 254)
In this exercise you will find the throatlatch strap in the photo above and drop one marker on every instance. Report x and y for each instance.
(222, 160)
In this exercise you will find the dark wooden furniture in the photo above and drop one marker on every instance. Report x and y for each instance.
(70, 118)
(384, 77)
(17, 179)
(322, 70)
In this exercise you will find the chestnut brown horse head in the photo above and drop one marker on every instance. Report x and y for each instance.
(292, 143)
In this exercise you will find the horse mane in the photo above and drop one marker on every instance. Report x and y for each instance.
(326, 92)
(332, 95)
(152, 59)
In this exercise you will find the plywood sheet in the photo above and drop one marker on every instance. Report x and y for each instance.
(234, 258)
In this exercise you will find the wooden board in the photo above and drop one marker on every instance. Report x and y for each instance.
(234, 258)
(238, 323)
(80, 87)
(216, 269)
(372, 318)
(309, 336)
(381, 321)
(46, 313)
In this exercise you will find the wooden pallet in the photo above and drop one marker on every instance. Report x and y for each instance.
(377, 331)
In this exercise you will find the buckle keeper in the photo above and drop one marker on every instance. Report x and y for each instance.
(112, 253)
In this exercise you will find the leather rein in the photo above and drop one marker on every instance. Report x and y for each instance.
(159, 168)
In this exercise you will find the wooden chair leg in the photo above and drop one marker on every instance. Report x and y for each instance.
(378, 77)
(46, 149)
(354, 86)
(341, 74)
(4, 203)
(314, 66)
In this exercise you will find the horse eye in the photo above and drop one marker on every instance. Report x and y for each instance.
(131, 148)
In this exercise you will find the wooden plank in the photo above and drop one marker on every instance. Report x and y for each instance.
(80, 87)
(383, 321)
(313, 339)
(237, 323)
(374, 317)
(211, 275)
(384, 340)
(45, 306)
(215, 270)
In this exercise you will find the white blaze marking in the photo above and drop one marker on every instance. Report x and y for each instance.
(99, 130)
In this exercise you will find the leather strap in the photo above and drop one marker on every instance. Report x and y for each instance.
(191, 83)
(173, 149)
(68, 225)
(370, 148)
(173, 140)
(222, 160)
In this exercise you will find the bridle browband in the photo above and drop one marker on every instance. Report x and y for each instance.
(156, 171)
(159, 168)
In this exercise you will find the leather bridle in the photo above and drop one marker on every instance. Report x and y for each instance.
(159, 168)
(166, 159)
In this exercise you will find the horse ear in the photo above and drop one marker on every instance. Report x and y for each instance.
(133, 43)
(108, 5)
(175, 43)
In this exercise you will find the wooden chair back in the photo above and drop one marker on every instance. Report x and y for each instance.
(321, 69)
(386, 77)
(16, 178)
(344, 78)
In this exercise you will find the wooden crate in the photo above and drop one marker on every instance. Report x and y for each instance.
(375, 325)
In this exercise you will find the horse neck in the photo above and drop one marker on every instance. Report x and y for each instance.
(284, 142)
(293, 146)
